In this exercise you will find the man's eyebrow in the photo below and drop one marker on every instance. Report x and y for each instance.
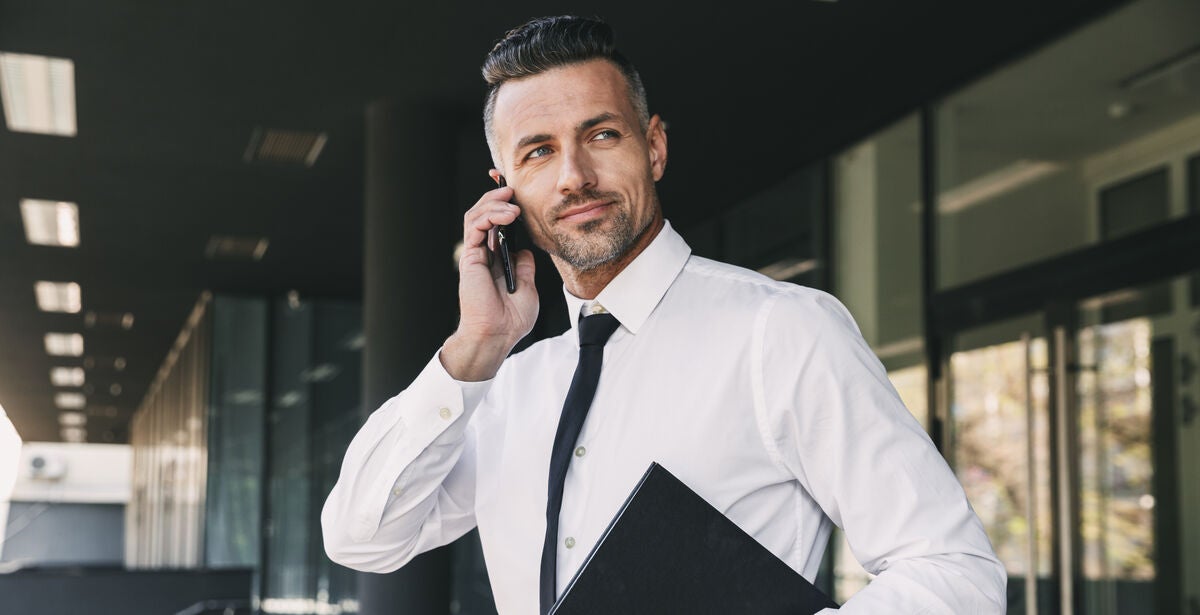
(584, 125)
(599, 119)
(531, 139)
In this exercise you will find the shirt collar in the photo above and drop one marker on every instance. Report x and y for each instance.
(637, 289)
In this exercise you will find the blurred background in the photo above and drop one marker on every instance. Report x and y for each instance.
(227, 235)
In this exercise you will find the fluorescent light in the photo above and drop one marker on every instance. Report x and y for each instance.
(64, 344)
(1174, 68)
(901, 347)
(70, 401)
(237, 247)
(358, 341)
(50, 223)
(38, 94)
(1000, 181)
(788, 268)
(72, 419)
(321, 373)
(66, 376)
(58, 297)
(74, 434)
(1114, 298)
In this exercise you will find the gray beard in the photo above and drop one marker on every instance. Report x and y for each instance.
(598, 247)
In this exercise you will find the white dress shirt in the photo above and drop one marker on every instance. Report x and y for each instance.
(760, 395)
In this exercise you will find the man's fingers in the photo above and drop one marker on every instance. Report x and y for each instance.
(483, 217)
(525, 267)
(473, 256)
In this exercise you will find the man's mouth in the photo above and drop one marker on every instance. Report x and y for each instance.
(585, 212)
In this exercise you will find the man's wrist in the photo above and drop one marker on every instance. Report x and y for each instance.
(472, 358)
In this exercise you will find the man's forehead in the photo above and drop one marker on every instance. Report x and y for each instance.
(561, 98)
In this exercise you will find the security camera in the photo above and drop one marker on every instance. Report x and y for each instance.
(42, 466)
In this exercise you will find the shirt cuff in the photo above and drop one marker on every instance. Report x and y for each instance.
(472, 392)
(430, 415)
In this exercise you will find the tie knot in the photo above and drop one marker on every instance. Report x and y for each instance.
(595, 330)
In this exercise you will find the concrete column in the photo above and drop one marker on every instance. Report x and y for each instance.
(410, 301)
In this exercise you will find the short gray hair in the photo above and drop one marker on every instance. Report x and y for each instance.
(550, 42)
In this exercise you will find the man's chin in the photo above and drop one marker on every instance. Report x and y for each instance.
(593, 257)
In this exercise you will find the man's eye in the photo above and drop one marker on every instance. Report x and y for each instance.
(606, 134)
(539, 152)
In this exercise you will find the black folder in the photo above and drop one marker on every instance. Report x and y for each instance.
(669, 551)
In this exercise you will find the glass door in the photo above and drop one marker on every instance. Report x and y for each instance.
(1072, 430)
(1135, 350)
(998, 435)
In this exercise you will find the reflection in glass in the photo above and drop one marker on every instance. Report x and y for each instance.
(1116, 492)
(877, 240)
(315, 412)
(876, 252)
(235, 433)
(1025, 154)
(999, 430)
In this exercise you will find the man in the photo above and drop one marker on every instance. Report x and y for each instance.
(760, 395)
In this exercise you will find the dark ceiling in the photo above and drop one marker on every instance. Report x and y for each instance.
(169, 93)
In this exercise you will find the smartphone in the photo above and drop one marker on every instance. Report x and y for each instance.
(499, 241)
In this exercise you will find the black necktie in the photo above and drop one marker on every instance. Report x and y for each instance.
(594, 331)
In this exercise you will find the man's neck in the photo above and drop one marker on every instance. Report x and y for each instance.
(587, 284)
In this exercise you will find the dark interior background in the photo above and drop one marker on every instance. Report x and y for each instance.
(169, 95)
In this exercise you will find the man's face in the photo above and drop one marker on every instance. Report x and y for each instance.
(582, 169)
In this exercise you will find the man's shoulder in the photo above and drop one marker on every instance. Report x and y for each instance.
(750, 286)
(730, 288)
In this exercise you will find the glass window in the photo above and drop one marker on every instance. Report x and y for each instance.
(1025, 156)
(315, 412)
(876, 267)
(1133, 204)
(165, 521)
(777, 232)
(1116, 472)
(1193, 183)
(235, 432)
(877, 240)
(999, 446)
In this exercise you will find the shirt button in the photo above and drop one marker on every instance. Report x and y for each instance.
(444, 413)
(580, 452)
(396, 491)
(570, 542)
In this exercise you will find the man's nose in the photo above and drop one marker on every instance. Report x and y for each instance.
(577, 171)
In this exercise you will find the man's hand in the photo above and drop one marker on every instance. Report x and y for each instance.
(492, 321)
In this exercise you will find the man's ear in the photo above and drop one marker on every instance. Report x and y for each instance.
(495, 175)
(656, 140)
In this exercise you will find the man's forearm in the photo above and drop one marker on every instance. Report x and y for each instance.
(402, 467)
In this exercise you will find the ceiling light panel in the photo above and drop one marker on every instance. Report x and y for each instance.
(50, 223)
(67, 376)
(72, 419)
(70, 401)
(58, 297)
(288, 147)
(233, 247)
(38, 94)
(93, 319)
(64, 344)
